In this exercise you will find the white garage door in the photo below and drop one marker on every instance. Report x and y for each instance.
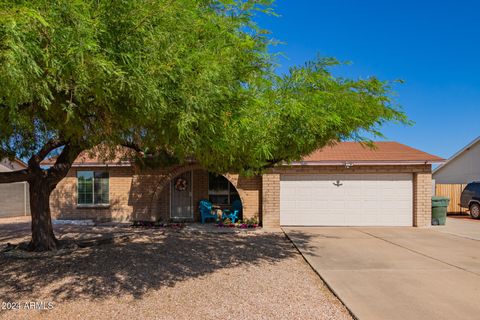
(346, 200)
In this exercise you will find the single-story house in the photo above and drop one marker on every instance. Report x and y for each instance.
(463, 167)
(346, 184)
(14, 197)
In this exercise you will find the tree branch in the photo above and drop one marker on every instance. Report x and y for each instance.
(133, 146)
(271, 163)
(64, 162)
(34, 161)
(15, 176)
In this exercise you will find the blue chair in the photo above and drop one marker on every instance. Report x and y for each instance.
(206, 210)
(234, 213)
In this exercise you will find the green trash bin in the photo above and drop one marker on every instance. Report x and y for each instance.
(439, 210)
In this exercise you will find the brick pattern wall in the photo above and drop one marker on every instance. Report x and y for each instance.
(145, 194)
(271, 200)
(63, 201)
(422, 197)
(422, 186)
(354, 169)
(250, 191)
(145, 202)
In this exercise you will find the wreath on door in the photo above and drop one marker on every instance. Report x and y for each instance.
(181, 184)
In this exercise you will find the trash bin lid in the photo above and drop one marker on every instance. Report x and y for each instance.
(440, 201)
(440, 198)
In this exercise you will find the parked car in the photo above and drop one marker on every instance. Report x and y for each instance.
(471, 199)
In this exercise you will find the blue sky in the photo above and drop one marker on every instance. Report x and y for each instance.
(434, 46)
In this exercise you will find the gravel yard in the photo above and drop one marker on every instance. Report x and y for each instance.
(165, 274)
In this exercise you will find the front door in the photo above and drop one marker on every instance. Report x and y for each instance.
(181, 197)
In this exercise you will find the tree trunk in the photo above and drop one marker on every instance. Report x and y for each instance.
(41, 184)
(43, 238)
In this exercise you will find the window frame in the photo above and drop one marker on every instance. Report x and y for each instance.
(227, 192)
(94, 192)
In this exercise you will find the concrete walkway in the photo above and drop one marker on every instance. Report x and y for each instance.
(396, 273)
(462, 226)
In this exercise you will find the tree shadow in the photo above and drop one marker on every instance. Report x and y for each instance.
(14, 231)
(150, 259)
(308, 242)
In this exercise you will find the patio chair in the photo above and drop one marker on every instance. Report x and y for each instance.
(206, 210)
(234, 213)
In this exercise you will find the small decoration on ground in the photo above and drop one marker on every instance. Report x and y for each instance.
(245, 224)
(181, 184)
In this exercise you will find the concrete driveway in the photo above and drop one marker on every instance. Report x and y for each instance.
(462, 226)
(397, 273)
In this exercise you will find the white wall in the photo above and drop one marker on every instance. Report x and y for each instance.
(14, 198)
(463, 169)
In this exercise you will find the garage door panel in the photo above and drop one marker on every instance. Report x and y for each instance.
(303, 205)
(386, 219)
(359, 200)
(330, 218)
(363, 219)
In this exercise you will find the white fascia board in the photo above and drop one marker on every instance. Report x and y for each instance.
(359, 163)
(468, 146)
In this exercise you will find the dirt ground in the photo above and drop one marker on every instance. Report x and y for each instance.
(161, 274)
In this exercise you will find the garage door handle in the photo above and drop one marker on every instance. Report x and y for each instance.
(338, 184)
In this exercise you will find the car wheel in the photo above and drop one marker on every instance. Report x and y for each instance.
(475, 210)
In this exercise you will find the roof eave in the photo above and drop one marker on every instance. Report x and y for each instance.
(457, 154)
(103, 165)
(98, 165)
(21, 163)
(364, 162)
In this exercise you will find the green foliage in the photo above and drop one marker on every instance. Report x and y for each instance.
(183, 78)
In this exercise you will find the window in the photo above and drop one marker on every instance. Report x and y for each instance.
(220, 190)
(93, 188)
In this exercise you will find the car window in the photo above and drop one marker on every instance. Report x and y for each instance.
(473, 187)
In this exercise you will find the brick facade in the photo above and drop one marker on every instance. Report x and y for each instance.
(145, 194)
(271, 200)
(63, 201)
(422, 198)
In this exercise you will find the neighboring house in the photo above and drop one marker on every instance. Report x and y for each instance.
(463, 167)
(14, 199)
(344, 185)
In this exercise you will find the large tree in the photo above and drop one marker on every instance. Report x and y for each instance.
(173, 78)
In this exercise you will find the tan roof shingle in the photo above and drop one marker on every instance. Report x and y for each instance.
(382, 152)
